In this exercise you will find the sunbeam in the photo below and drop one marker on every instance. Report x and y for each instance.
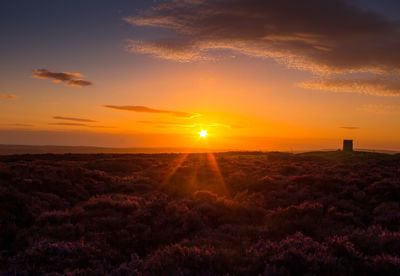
(212, 161)
(177, 164)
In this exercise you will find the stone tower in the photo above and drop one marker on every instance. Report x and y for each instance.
(347, 145)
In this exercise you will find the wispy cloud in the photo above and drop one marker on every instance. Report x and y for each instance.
(4, 96)
(17, 125)
(74, 119)
(79, 125)
(349, 128)
(165, 124)
(194, 125)
(323, 37)
(371, 85)
(223, 125)
(23, 125)
(73, 79)
(380, 108)
(144, 109)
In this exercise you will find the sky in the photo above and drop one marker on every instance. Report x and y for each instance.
(255, 74)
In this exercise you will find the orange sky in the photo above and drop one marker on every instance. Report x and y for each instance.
(156, 95)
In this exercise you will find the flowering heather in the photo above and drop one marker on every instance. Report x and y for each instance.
(244, 214)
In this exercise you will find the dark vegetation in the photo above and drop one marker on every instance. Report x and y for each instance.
(165, 214)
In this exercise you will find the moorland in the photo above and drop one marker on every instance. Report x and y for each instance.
(234, 213)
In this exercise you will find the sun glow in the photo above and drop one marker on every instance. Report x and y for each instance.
(203, 133)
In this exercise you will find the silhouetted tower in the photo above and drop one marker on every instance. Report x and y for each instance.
(348, 145)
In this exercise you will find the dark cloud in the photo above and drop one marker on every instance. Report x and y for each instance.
(74, 119)
(4, 96)
(79, 125)
(332, 34)
(324, 37)
(349, 128)
(145, 109)
(79, 83)
(72, 79)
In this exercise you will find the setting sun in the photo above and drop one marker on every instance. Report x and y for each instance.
(157, 130)
(203, 133)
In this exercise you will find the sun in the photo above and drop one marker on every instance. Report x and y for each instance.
(203, 133)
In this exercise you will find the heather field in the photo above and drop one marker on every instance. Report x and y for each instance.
(322, 213)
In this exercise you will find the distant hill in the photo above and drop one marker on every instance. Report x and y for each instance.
(32, 149)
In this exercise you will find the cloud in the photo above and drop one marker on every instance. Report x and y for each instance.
(157, 122)
(349, 128)
(79, 83)
(77, 122)
(165, 124)
(72, 79)
(145, 109)
(166, 49)
(23, 125)
(18, 125)
(79, 125)
(313, 34)
(371, 85)
(323, 37)
(74, 119)
(380, 109)
(4, 96)
(198, 125)
(223, 125)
